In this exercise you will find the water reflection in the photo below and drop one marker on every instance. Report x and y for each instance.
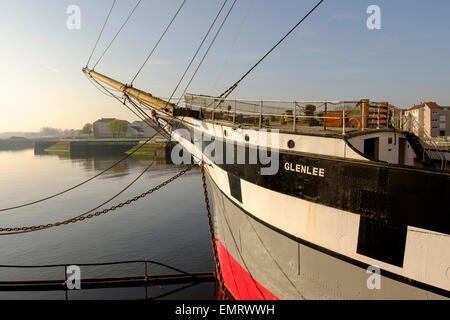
(169, 226)
(103, 162)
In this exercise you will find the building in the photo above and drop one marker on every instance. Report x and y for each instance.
(430, 119)
(100, 128)
(136, 129)
(143, 128)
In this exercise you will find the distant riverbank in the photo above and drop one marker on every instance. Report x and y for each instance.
(16, 144)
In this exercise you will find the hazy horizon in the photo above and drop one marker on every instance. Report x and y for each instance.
(332, 56)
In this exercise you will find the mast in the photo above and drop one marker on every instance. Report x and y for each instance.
(142, 96)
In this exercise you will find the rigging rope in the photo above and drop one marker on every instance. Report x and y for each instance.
(157, 43)
(89, 214)
(111, 95)
(198, 49)
(207, 51)
(225, 94)
(123, 25)
(101, 32)
(95, 176)
(81, 183)
(233, 43)
(203, 58)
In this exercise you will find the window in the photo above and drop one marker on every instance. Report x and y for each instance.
(442, 133)
(442, 118)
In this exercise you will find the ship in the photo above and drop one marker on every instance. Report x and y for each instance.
(316, 199)
(311, 199)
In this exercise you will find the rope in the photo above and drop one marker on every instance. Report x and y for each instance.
(33, 228)
(157, 43)
(97, 175)
(229, 90)
(88, 214)
(195, 55)
(91, 80)
(203, 58)
(207, 51)
(108, 93)
(78, 218)
(141, 111)
(81, 183)
(123, 25)
(101, 32)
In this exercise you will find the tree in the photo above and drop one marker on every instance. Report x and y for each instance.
(87, 129)
(118, 127)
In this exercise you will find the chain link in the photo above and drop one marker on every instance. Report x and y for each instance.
(212, 233)
(12, 230)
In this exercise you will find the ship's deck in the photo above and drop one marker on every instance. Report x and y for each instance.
(300, 129)
(321, 118)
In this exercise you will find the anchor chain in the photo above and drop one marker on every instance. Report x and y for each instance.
(212, 233)
(14, 230)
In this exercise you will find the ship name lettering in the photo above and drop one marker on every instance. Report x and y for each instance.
(305, 169)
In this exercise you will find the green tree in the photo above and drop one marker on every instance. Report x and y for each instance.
(118, 127)
(123, 127)
(87, 129)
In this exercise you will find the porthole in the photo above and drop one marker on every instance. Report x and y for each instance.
(291, 144)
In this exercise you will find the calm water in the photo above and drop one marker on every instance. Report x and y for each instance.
(169, 226)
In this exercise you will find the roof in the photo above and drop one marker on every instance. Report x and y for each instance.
(137, 128)
(431, 105)
(105, 120)
(416, 107)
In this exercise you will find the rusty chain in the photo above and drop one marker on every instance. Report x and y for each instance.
(212, 233)
(16, 230)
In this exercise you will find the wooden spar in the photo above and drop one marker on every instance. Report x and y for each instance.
(142, 96)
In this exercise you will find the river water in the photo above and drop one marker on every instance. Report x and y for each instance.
(168, 226)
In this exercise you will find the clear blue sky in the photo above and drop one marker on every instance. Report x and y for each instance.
(331, 56)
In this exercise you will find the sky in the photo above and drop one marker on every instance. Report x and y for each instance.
(332, 55)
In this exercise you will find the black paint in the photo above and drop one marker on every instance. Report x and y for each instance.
(235, 187)
(381, 241)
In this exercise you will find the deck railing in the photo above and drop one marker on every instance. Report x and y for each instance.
(142, 279)
(338, 116)
(342, 116)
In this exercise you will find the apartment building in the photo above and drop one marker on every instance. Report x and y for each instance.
(430, 119)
